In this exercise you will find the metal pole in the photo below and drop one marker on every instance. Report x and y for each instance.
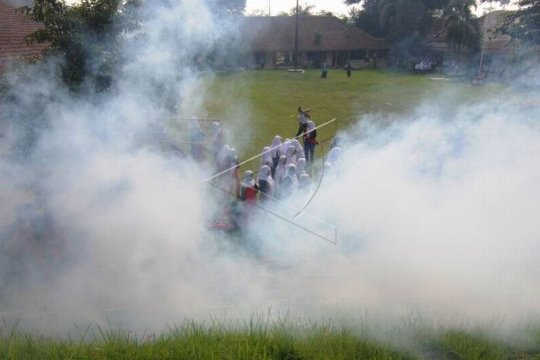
(296, 39)
(481, 58)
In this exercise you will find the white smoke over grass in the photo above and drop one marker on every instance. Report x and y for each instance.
(98, 217)
(436, 212)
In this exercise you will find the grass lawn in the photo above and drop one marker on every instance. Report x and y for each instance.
(259, 341)
(269, 99)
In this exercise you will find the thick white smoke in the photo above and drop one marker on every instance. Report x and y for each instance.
(102, 215)
(436, 213)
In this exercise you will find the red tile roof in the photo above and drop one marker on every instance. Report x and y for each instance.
(14, 27)
(276, 33)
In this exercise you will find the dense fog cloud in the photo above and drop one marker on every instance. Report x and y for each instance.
(436, 212)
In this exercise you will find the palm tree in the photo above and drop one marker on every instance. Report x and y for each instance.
(462, 27)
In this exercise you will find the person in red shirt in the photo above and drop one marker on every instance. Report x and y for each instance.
(248, 189)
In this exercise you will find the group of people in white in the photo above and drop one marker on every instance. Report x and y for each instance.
(283, 166)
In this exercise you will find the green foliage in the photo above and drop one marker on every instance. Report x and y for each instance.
(524, 23)
(228, 7)
(397, 19)
(85, 35)
(406, 23)
(462, 27)
(302, 11)
(368, 19)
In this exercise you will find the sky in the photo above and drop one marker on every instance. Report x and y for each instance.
(277, 6)
(335, 6)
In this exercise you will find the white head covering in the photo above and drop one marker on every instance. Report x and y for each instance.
(223, 155)
(334, 155)
(264, 173)
(248, 180)
(215, 127)
(280, 169)
(284, 146)
(266, 158)
(298, 149)
(275, 146)
(291, 173)
(291, 154)
(301, 166)
(225, 150)
(272, 185)
(310, 125)
(233, 158)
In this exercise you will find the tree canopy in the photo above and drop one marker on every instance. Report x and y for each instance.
(85, 35)
(406, 23)
(302, 11)
(524, 23)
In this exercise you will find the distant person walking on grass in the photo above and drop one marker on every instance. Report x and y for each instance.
(324, 71)
(348, 68)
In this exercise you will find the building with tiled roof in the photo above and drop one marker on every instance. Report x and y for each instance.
(271, 41)
(14, 28)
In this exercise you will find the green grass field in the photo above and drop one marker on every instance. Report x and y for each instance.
(269, 99)
(274, 341)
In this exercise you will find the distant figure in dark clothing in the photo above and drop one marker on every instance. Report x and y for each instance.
(348, 70)
(310, 140)
(274, 153)
(324, 71)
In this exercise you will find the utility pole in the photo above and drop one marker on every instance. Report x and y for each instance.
(296, 39)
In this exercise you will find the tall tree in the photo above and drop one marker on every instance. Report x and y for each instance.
(404, 18)
(461, 25)
(524, 23)
(367, 18)
(86, 35)
(394, 19)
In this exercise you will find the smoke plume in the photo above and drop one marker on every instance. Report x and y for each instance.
(436, 213)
